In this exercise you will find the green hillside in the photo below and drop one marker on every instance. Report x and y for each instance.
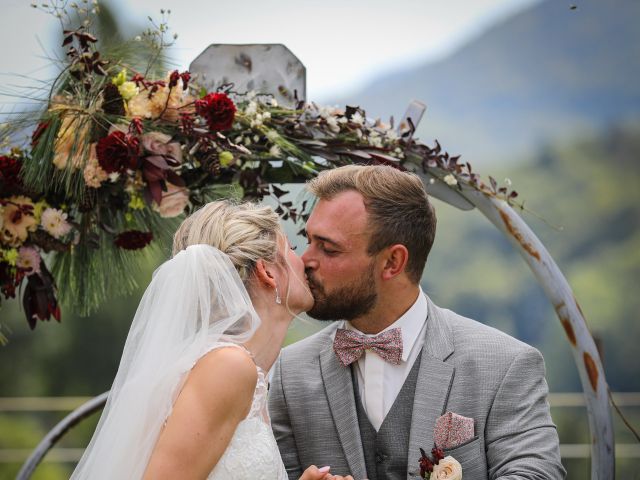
(588, 191)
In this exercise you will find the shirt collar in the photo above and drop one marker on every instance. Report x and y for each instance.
(410, 324)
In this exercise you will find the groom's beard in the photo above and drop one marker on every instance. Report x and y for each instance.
(345, 303)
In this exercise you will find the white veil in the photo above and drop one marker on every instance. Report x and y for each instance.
(194, 301)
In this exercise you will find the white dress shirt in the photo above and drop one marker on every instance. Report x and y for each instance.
(380, 382)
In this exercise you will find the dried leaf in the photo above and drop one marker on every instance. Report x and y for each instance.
(278, 192)
(382, 156)
(494, 184)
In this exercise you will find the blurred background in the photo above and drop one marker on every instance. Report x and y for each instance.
(543, 92)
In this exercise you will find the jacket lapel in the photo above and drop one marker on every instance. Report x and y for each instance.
(432, 389)
(342, 404)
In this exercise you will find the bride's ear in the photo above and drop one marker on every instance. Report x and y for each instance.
(264, 273)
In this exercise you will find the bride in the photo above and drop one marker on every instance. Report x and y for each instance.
(189, 400)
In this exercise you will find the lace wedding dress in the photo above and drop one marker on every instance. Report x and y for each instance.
(252, 452)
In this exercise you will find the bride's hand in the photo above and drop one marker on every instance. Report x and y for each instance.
(315, 473)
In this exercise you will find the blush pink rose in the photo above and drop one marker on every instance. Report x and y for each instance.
(29, 259)
(174, 201)
(157, 143)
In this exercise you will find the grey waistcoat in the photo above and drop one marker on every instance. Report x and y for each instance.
(385, 451)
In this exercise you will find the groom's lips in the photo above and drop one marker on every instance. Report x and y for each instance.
(312, 284)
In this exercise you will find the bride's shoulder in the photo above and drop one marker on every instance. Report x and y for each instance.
(226, 372)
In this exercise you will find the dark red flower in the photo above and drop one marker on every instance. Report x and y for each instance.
(136, 127)
(426, 465)
(113, 103)
(187, 123)
(39, 299)
(10, 278)
(139, 80)
(133, 239)
(173, 78)
(37, 133)
(118, 152)
(186, 77)
(10, 170)
(438, 454)
(218, 110)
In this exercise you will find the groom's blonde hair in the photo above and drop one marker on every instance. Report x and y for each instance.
(246, 232)
(397, 204)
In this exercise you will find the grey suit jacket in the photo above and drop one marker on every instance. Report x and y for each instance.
(466, 367)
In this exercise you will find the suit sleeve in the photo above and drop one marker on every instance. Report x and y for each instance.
(521, 439)
(281, 424)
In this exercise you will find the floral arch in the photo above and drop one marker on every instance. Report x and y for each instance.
(118, 152)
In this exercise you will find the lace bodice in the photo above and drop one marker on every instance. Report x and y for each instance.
(253, 451)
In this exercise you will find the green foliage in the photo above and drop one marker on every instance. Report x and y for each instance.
(25, 433)
(587, 190)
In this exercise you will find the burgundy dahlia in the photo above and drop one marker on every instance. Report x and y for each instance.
(118, 152)
(218, 110)
(133, 239)
(10, 170)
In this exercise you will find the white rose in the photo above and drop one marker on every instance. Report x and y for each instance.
(450, 180)
(447, 469)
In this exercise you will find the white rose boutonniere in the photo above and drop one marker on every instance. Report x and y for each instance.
(447, 469)
(439, 467)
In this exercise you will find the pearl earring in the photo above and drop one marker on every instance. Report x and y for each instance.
(278, 299)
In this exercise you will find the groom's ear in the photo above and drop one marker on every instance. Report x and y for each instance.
(264, 273)
(395, 260)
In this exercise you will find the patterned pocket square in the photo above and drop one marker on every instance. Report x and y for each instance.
(452, 430)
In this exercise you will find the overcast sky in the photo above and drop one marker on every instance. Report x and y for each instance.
(343, 43)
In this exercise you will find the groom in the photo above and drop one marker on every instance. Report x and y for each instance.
(395, 373)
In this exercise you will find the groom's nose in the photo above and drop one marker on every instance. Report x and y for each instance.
(308, 258)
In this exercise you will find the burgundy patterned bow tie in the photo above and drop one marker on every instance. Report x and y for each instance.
(349, 345)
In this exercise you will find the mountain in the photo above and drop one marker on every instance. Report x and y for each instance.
(541, 75)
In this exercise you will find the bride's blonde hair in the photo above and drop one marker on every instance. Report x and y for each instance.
(246, 232)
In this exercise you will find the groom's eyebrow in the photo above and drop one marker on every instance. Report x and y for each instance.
(324, 239)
